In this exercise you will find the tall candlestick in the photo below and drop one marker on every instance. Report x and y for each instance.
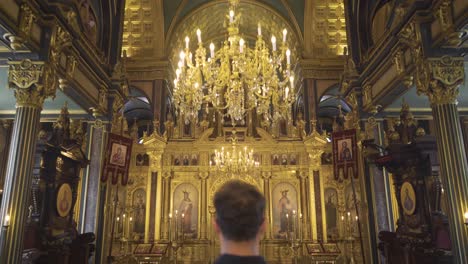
(288, 56)
(187, 41)
(273, 42)
(285, 32)
(231, 16)
(199, 35)
(212, 47)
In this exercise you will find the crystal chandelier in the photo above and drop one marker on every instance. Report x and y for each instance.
(235, 79)
(235, 161)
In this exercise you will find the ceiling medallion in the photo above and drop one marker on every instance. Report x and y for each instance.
(235, 79)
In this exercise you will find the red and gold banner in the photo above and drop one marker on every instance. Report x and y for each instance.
(117, 159)
(344, 154)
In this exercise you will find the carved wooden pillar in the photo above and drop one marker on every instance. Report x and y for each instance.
(439, 79)
(203, 176)
(305, 203)
(32, 82)
(266, 188)
(166, 204)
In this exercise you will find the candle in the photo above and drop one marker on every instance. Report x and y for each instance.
(342, 218)
(241, 45)
(212, 47)
(170, 227)
(285, 32)
(199, 35)
(357, 217)
(466, 218)
(286, 92)
(7, 220)
(259, 29)
(273, 42)
(288, 56)
(187, 41)
(291, 80)
(231, 16)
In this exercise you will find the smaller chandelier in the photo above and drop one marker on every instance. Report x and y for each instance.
(237, 78)
(235, 161)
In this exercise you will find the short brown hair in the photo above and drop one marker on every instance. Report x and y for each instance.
(240, 210)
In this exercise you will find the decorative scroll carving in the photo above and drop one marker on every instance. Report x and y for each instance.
(33, 82)
(439, 78)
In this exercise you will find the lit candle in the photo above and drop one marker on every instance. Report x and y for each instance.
(466, 218)
(241, 45)
(180, 64)
(357, 217)
(259, 29)
(285, 32)
(286, 92)
(199, 35)
(273, 42)
(288, 56)
(342, 218)
(118, 219)
(187, 41)
(212, 47)
(7, 220)
(231, 16)
(182, 56)
(291, 80)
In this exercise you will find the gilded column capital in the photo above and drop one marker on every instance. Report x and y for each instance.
(33, 82)
(203, 175)
(440, 78)
(167, 175)
(266, 175)
(302, 175)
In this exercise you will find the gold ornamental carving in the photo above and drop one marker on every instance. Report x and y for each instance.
(33, 82)
(367, 94)
(440, 78)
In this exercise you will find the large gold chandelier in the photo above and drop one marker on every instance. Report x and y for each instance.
(235, 79)
(234, 162)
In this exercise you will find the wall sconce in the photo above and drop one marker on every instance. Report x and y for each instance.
(6, 222)
(466, 218)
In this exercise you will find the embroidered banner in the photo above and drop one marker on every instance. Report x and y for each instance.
(344, 154)
(117, 159)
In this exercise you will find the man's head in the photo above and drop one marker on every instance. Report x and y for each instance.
(240, 211)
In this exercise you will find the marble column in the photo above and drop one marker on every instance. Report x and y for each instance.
(32, 82)
(440, 79)
(266, 191)
(203, 176)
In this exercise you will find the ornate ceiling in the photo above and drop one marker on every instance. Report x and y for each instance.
(316, 27)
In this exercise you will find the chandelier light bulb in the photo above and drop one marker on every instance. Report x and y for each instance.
(288, 56)
(196, 85)
(180, 64)
(259, 29)
(291, 80)
(273, 42)
(285, 32)
(199, 35)
(212, 47)
(187, 41)
(182, 55)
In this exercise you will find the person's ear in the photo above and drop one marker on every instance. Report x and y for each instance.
(216, 226)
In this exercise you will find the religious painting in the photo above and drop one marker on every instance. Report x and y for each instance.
(344, 154)
(408, 198)
(185, 202)
(331, 213)
(186, 160)
(293, 159)
(64, 200)
(143, 249)
(284, 205)
(326, 158)
(257, 158)
(284, 159)
(275, 160)
(194, 160)
(331, 248)
(176, 160)
(187, 129)
(314, 248)
(142, 160)
(118, 152)
(139, 210)
(159, 249)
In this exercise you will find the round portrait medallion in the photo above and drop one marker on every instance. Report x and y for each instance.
(64, 200)
(408, 198)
